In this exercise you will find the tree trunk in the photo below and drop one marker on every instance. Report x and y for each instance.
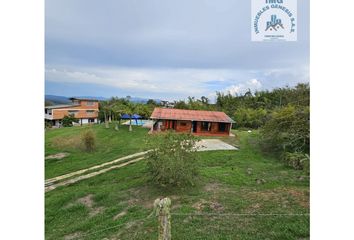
(130, 125)
(105, 120)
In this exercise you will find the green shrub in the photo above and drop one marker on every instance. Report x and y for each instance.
(288, 130)
(68, 120)
(172, 162)
(89, 140)
(48, 124)
(297, 160)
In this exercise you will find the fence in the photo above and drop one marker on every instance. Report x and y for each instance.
(162, 211)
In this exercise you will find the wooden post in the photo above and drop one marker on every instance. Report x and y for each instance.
(162, 209)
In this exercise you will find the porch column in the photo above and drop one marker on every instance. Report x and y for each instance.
(158, 126)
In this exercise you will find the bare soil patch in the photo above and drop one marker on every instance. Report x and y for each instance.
(203, 204)
(71, 236)
(89, 203)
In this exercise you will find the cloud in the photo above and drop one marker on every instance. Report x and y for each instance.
(252, 84)
(176, 83)
(169, 34)
(171, 49)
(182, 80)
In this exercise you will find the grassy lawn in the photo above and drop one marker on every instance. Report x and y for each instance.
(117, 204)
(111, 145)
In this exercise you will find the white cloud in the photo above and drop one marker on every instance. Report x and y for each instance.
(182, 81)
(176, 83)
(241, 88)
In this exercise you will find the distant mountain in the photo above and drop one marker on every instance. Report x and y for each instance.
(65, 100)
(142, 100)
(57, 99)
(90, 97)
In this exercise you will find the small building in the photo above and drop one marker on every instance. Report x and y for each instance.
(207, 123)
(84, 109)
(167, 104)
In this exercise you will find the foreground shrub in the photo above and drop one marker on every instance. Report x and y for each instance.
(288, 130)
(48, 124)
(297, 160)
(89, 140)
(173, 161)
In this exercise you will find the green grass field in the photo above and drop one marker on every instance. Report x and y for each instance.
(117, 204)
(111, 145)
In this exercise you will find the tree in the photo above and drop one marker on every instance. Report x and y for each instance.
(250, 118)
(118, 110)
(143, 110)
(204, 100)
(105, 108)
(288, 130)
(151, 102)
(130, 110)
(181, 105)
(68, 120)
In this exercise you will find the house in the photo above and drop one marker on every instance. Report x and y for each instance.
(167, 104)
(207, 123)
(84, 109)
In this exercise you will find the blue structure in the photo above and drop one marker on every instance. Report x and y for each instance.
(134, 116)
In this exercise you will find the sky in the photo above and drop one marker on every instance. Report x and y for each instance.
(165, 49)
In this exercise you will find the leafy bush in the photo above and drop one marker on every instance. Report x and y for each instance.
(68, 120)
(288, 130)
(48, 124)
(172, 162)
(89, 140)
(297, 160)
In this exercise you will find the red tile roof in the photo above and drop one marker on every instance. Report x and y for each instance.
(191, 115)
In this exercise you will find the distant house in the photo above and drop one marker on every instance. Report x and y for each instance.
(167, 104)
(84, 109)
(191, 121)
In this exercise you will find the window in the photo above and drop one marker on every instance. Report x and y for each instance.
(90, 112)
(206, 126)
(222, 127)
(90, 103)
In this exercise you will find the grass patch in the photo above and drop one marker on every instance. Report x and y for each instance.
(110, 145)
(116, 205)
